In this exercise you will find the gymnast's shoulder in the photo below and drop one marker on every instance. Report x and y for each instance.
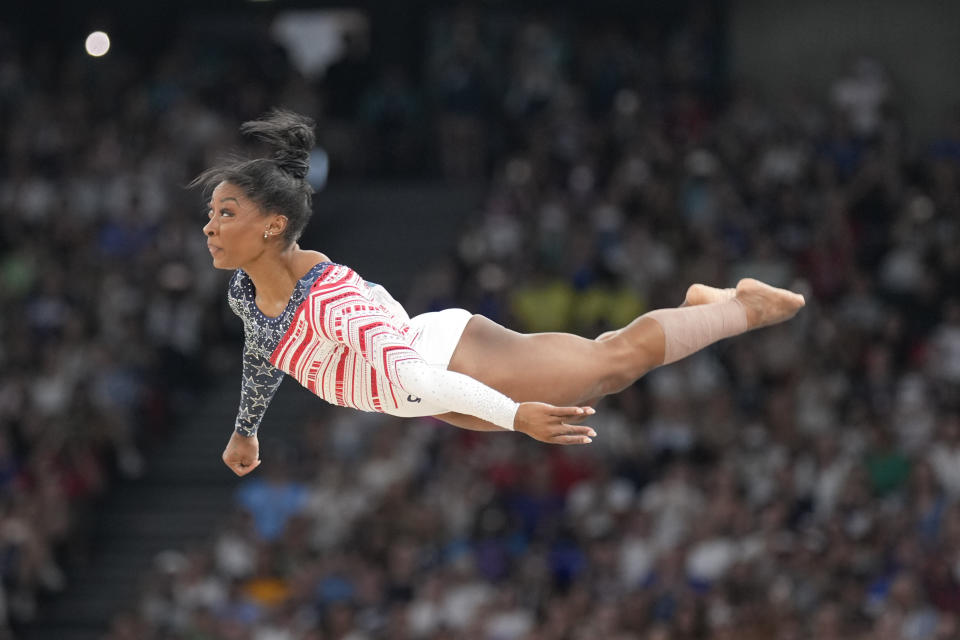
(307, 259)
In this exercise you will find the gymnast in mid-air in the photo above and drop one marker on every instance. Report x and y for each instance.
(348, 341)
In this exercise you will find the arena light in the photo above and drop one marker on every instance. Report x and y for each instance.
(97, 44)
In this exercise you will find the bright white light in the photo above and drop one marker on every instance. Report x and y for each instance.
(98, 43)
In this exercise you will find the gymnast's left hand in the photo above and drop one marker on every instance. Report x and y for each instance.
(550, 424)
(242, 454)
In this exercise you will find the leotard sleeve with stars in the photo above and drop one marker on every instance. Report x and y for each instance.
(260, 378)
(260, 383)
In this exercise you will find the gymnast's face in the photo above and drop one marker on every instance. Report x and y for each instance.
(236, 227)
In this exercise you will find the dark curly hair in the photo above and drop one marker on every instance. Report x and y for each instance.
(278, 183)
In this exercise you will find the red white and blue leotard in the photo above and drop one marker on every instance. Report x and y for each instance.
(349, 342)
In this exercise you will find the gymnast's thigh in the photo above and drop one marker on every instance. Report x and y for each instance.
(559, 368)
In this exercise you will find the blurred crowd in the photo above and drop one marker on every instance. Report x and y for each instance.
(800, 482)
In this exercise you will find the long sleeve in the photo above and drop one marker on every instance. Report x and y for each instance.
(348, 317)
(260, 383)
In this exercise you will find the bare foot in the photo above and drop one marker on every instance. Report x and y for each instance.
(766, 305)
(702, 294)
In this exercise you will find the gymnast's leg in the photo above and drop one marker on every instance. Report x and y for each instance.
(566, 370)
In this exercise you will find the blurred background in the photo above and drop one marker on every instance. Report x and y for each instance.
(555, 166)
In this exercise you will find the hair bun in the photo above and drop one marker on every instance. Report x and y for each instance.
(290, 134)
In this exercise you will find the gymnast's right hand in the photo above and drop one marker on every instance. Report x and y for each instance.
(242, 454)
(550, 424)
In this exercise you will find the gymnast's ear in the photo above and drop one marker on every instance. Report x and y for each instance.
(277, 224)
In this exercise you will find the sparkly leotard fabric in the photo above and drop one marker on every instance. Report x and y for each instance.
(349, 342)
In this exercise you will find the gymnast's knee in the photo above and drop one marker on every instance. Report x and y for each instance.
(622, 364)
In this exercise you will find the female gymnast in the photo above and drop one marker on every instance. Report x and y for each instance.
(352, 344)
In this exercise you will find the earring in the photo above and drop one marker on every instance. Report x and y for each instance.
(265, 234)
